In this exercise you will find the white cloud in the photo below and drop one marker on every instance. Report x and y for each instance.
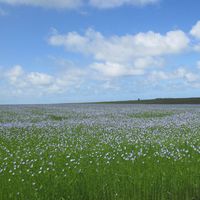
(65, 4)
(198, 64)
(41, 83)
(138, 67)
(14, 74)
(196, 30)
(146, 62)
(158, 75)
(196, 47)
(123, 55)
(115, 69)
(122, 48)
(40, 79)
(117, 3)
(180, 73)
(110, 86)
(185, 74)
(46, 3)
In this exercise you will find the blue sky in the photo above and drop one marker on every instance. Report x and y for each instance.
(55, 51)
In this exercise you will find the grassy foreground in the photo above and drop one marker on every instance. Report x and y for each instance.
(99, 152)
(91, 163)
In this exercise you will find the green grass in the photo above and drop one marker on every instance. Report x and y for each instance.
(90, 164)
(58, 118)
(153, 114)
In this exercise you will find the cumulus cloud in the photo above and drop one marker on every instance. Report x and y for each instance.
(117, 3)
(45, 3)
(180, 73)
(63, 4)
(122, 48)
(14, 74)
(41, 83)
(123, 55)
(115, 70)
(196, 30)
(198, 64)
(40, 79)
(138, 67)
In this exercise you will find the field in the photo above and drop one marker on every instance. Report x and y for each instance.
(158, 101)
(100, 152)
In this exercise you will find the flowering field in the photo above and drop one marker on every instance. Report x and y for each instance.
(100, 152)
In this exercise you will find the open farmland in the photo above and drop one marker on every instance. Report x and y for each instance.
(100, 152)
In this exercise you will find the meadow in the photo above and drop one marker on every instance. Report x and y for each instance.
(100, 152)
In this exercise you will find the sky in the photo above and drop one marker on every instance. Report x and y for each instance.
(62, 51)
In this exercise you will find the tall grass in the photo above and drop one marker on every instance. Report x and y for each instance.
(94, 163)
